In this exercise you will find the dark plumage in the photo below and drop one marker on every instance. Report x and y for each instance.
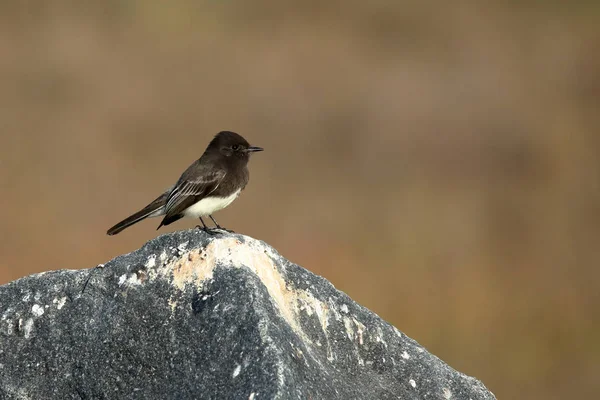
(211, 183)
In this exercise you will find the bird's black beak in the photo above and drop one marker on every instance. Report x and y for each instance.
(253, 149)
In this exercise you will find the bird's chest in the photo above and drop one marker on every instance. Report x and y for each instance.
(209, 205)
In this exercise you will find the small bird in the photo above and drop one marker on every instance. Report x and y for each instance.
(210, 184)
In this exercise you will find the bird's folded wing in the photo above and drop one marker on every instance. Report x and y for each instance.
(189, 191)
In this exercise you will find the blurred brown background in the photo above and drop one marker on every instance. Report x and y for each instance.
(438, 161)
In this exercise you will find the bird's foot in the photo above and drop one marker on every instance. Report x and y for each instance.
(212, 231)
(219, 227)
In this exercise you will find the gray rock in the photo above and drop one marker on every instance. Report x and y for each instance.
(190, 316)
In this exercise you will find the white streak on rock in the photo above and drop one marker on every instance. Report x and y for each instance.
(9, 327)
(172, 304)
(333, 308)
(28, 328)
(151, 262)
(348, 326)
(37, 310)
(360, 328)
(134, 280)
(61, 302)
(380, 336)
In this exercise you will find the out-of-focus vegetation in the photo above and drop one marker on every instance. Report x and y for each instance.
(438, 161)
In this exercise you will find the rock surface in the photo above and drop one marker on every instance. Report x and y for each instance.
(192, 316)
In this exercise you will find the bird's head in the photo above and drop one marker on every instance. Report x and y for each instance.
(231, 144)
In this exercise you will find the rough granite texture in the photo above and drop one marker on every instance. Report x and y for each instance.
(193, 316)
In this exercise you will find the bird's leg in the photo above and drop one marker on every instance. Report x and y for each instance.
(216, 223)
(219, 226)
(203, 227)
(206, 228)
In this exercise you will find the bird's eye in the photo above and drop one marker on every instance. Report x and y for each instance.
(235, 147)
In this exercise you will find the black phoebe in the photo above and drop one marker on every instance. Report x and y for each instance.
(210, 184)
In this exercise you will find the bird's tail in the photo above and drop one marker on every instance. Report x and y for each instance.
(153, 209)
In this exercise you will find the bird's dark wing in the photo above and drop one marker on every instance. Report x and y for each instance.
(192, 187)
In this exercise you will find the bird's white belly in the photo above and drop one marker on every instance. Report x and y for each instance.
(209, 205)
